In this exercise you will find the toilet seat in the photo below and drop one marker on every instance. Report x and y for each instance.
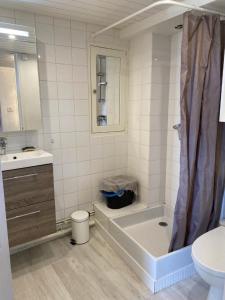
(208, 251)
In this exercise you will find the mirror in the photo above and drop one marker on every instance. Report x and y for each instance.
(28, 91)
(9, 108)
(19, 86)
(107, 83)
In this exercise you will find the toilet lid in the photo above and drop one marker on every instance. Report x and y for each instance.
(80, 216)
(209, 251)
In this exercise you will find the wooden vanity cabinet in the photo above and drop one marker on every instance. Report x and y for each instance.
(30, 205)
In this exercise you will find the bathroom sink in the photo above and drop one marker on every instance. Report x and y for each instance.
(25, 159)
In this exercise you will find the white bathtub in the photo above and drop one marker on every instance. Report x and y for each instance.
(139, 239)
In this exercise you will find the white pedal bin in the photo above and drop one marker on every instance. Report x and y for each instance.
(80, 226)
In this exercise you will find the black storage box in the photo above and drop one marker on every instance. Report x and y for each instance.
(119, 190)
(118, 200)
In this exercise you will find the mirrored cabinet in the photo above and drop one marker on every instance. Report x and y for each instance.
(108, 89)
(8, 93)
(19, 82)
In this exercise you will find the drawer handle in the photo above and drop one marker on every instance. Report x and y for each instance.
(20, 176)
(24, 215)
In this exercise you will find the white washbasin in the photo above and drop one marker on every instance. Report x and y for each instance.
(25, 159)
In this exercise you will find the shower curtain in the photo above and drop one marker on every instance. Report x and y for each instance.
(202, 158)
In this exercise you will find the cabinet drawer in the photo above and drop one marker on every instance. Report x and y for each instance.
(28, 186)
(31, 222)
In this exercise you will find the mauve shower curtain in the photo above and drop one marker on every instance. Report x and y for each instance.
(202, 159)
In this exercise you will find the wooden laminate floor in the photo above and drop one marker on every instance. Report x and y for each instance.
(59, 271)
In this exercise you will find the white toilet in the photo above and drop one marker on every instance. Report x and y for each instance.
(208, 253)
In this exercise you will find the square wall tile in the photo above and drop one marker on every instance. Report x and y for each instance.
(69, 170)
(49, 108)
(80, 74)
(81, 90)
(63, 55)
(81, 107)
(50, 124)
(70, 200)
(45, 33)
(47, 71)
(68, 139)
(51, 141)
(62, 22)
(69, 155)
(79, 57)
(83, 138)
(62, 36)
(83, 168)
(65, 90)
(83, 153)
(46, 53)
(70, 185)
(82, 123)
(44, 19)
(84, 196)
(66, 107)
(48, 90)
(67, 123)
(78, 38)
(78, 25)
(64, 73)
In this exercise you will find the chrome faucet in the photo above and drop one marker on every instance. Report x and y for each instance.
(3, 144)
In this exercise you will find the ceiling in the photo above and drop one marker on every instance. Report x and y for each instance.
(168, 27)
(217, 5)
(101, 12)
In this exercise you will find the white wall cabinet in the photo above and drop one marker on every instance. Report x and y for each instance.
(107, 82)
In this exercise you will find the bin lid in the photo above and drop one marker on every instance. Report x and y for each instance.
(118, 183)
(80, 216)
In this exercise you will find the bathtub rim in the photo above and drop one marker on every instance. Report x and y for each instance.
(155, 258)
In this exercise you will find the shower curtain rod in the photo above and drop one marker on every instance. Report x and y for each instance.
(155, 4)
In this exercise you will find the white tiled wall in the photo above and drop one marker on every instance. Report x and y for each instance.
(140, 62)
(149, 62)
(173, 143)
(80, 159)
(159, 115)
(154, 107)
(150, 152)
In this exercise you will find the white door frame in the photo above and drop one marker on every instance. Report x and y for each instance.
(5, 267)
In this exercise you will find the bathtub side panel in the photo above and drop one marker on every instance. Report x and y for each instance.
(174, 261)
(145, 260)
(102, 219)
